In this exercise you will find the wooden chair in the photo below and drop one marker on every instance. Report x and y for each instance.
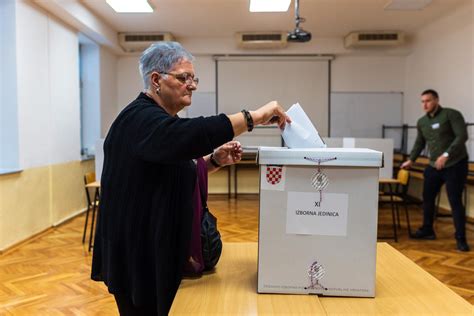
(88, 178)
(397, 195)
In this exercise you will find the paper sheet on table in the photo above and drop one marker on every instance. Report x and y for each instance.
(301, 133)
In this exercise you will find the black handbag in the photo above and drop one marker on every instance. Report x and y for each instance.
(211, 242)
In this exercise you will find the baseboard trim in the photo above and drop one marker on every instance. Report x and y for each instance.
(69, 217)
(445, 211)
(15, 245)
(33, 237)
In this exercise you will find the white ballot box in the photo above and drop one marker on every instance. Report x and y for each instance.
(318, 221)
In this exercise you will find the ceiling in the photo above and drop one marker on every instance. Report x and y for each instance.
(222, 18)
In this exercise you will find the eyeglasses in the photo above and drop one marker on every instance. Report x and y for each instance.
(184, 78)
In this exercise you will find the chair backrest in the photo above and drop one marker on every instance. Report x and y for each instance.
(403, 176)
(89, 177)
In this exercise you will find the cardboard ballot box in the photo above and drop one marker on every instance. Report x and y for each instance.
(318, 221)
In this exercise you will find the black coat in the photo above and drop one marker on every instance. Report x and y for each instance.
(145, 215)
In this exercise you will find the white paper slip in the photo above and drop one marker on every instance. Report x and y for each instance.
(301, 133)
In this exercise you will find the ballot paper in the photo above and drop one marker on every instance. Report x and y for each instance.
(301, 133)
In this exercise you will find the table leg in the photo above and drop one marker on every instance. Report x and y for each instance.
(229, 189)
(94, 209)
(86, 222)
(393, 213)
(235, 181)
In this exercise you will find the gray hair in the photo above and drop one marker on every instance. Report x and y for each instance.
(161, 57)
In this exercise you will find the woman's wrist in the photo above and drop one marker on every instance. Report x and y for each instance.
(214, 162)
(255, 117)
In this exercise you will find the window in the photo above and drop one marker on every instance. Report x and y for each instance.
(9, 159)
(89, 76)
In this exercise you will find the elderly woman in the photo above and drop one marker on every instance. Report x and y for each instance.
(150, 184)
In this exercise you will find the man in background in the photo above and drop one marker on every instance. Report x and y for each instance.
(445, 133)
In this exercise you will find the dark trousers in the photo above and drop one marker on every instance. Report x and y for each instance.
(126, 307)
(455, 179)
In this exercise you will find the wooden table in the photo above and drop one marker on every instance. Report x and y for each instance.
(94, 185)
(402, 288)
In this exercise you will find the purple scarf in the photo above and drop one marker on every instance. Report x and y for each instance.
(195, 265)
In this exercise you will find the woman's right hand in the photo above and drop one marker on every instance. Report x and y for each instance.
(270, 113)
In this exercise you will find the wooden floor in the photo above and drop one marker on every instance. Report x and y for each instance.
(50, 275)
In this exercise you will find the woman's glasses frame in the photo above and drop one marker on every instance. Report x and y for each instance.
(184, 78)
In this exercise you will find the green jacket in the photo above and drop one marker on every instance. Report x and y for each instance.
(445, 131)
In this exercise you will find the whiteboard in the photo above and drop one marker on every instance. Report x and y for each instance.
(249, 82)
(203, 104)
(362, 114)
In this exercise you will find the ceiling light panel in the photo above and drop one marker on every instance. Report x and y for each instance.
(130, 6)
(269, 5)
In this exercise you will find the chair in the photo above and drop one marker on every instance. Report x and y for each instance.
(397, 196)
(88, 178)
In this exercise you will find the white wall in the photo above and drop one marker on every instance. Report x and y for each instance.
(33, 86)
(48, 89)
(442, 59)
(64, 93)
(368, 73)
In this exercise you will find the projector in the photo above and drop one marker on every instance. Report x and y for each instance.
(299, 35)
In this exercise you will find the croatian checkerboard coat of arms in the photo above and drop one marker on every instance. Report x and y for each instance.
(272, 177)
(274, 174)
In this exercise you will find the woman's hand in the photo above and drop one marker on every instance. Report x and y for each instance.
(228, 154)
(271, 113)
